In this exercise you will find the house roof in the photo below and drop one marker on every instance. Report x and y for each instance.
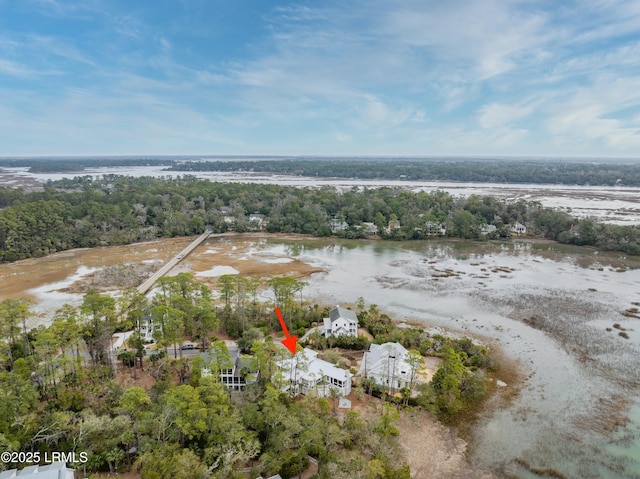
(309, 366)
(376, 360)
(339, 312)
(56, 470)
(385, 350)
(240, 363)
(318, 367)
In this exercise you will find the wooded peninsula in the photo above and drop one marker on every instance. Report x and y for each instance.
(115, 210)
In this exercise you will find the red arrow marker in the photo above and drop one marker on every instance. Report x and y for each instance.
(289, 342)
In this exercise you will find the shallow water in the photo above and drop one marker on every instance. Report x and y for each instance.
(218, 271)
(578, 376)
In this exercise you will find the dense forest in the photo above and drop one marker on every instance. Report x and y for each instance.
(63, 389)
(83, 212)
(77, 165)
(595, 172)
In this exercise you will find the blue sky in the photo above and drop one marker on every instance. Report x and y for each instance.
(362, 77)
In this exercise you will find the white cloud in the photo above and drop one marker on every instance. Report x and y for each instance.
(484, 38)
(57, 47)
(622, 58)
(463, 76)
(11, 68)
(593, 113)
(34, 54)
(496, 114)
(342, 137)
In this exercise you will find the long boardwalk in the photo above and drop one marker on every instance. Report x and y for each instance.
(148, 284)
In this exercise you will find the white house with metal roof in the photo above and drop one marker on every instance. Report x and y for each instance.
(341, 322)
(305, 373)
(387, 365)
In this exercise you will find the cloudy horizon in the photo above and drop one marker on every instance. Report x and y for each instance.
(461, 78)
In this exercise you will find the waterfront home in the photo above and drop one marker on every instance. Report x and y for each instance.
(431, 228)
(387, 365)
(338, 225)
(256, 221)
(519, 229)
(393, 225)
(341, 322)
(305, 373)
(369, 228)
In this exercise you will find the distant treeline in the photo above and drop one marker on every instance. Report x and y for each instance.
(430, 169)
(83, 212)
(62, 165)
(480, 170)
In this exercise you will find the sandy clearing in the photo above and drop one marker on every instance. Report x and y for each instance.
(434, 451)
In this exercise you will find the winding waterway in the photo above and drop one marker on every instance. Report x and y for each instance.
(575, 409)
(576, 412)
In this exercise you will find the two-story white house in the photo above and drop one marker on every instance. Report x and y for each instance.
(239, 374)
(341, 322)
(519, 229)
(387, 365)
(305, 373)
(431, 228)
(369, 228)
(256, 221)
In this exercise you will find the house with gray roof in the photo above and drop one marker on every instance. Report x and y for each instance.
(242, 373)
(239, 374)
(341, 322)
(55, 470)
